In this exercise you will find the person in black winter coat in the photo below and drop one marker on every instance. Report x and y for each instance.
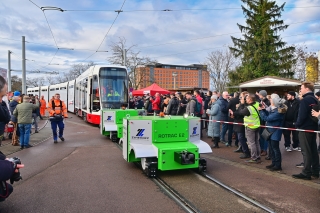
(223, 102)
(232, 105)
(172, 108)
(139, 103)
(308, 140)
(182, 105)
(240, 129)
(289, 121)
(7, 170)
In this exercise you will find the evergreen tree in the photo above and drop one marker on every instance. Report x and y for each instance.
(261, 49)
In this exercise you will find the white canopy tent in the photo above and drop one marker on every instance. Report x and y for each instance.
(270, 81)
(271, 84)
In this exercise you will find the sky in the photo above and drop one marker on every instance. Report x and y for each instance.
(84, 31)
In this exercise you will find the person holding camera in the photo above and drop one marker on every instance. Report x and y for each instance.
(240, 129)
(9, 170)
(57, 112)
(252, 124)
(23, 113)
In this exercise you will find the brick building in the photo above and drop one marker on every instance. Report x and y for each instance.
(194, 75)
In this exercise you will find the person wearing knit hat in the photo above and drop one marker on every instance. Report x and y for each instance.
(274, 118)
(263, 143)
(292, 93)
(263, 93)
(16, 93)
(289, 120)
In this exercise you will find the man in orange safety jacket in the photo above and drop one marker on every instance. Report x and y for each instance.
(43, 106)
(57, 111)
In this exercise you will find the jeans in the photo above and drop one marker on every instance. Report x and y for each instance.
(263, 142)
(309, 152)
(243, 142)
(54, 125)
(230, 133)
(35, 122)
(24, 134)
(223, 132)
(275, 153)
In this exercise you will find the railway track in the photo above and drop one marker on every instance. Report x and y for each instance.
(239, 194)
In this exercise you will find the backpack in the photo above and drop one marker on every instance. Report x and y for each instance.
(197, 108)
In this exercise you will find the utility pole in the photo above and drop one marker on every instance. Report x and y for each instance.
(24, 89)
(9, 71)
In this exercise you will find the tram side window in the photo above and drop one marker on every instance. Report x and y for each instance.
(76, 99)
(84, 86)
(95, 94)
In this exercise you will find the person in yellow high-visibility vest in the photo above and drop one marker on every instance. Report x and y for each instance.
(113, 93)
(251, 121)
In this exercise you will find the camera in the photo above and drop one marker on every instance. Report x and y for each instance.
(16, 176)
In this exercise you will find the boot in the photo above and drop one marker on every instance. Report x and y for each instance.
(239, 149)
(215, 141)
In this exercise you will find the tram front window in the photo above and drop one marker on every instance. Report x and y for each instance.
(113, 87)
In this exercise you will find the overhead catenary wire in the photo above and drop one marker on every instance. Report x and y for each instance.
(185, 9)
(160, 44)
(106, 33)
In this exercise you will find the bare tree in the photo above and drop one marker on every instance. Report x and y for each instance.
(36, 82)
(137, 65)
(73, 73)
(51, 80)
(219, 64)
(16, 83)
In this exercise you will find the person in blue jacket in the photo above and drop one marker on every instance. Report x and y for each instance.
(274, 117)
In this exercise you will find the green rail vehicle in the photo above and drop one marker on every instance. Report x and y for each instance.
(163, 143)
(111, 122)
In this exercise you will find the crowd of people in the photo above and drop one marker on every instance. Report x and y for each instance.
(253, 111)
(22, 112)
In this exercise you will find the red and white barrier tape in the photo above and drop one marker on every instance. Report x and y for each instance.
(274, 127)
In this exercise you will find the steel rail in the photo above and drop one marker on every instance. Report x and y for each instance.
(170, 192)
(239, 194)
(182, 202)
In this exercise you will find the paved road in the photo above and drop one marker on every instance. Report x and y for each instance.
(86, 173)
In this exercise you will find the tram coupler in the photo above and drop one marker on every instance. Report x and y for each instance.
(114, 136)
(184, 157)
(151, 169)
(202, 165)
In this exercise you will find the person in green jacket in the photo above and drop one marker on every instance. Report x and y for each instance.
(23, 113)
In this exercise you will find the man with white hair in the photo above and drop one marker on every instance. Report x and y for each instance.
(223, 102)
